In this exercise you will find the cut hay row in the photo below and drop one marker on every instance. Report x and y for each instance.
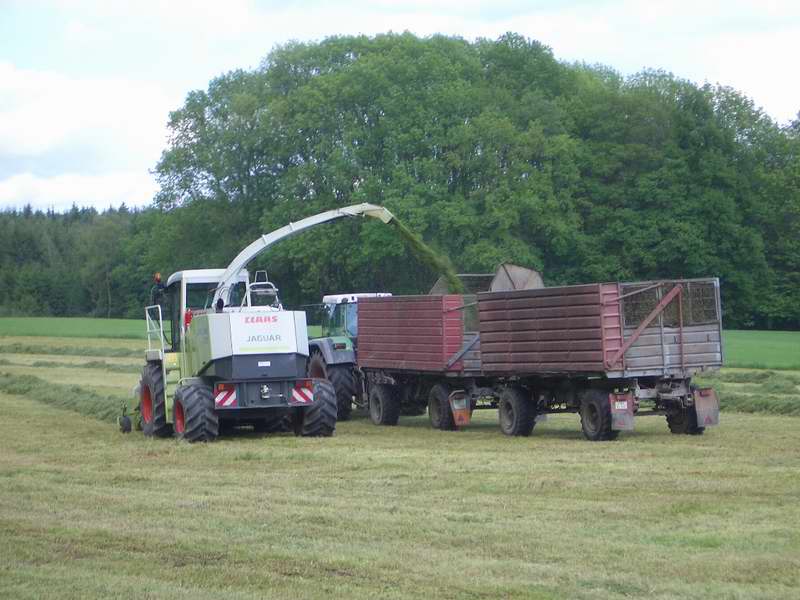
(80, 399)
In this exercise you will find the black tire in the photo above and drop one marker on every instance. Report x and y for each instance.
(596, 417)
(193, 414)
(342, 378)
(516, 412)
(319, 419)
(152, 404)
(384, 404)
(683, 421)
(439, 412)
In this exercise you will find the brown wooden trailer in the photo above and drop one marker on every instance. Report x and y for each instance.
(609, 351)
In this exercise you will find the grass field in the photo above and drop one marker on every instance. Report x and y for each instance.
(762, 349)
(405, 512)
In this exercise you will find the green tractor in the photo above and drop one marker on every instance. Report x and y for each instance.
(332, 356)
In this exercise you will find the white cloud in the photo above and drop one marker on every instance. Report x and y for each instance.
(134, 188)
(42, 111)
(116, 122)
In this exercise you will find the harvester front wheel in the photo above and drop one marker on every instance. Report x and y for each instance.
(384, 404)
(596, 417)
(152, 405)
(439, 412)
(341, 377)
(193, 414)
(319, 419)
(515, 412)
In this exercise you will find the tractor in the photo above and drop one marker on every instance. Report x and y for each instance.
(333, 355)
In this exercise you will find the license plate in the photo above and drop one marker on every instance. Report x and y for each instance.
(621, 405)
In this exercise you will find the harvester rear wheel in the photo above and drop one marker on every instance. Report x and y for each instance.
(515, 412)
(684, 421)
(319, 419)
(384, 404)
(342, 379)
(439, 411)
(193, 414)
(152, 405)
(596, 417)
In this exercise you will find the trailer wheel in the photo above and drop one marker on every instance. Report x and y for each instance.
(193, 414)
(152, 406)
(596, 417)
(439, 411)
(384, 404)
(342, 379)
(684, 421)
(516, 412)
(319, 419)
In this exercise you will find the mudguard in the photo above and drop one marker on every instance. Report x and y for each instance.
(621, 411)
(706, 405)
(332, 355)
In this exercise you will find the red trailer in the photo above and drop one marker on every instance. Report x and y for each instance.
(608, 351)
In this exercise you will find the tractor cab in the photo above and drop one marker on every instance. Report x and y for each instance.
(340, 314)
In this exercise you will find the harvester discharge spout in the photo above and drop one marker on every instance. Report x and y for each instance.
(228, 278)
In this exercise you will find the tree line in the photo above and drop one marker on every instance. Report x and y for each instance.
(490, 150)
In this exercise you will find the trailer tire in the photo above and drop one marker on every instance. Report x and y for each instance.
(319, 419)
(152, 403)
(515, 412)
(341, 377)
(684, 422)
(596, 417)
(193, 414)
(439, 411)
(384, 404)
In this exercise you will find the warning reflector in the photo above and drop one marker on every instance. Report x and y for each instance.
(226, 399)
(302, 395)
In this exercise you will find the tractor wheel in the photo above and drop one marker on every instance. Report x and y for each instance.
(152, 405)
(319, 419)
(384, 404)
(684, 421)
(193, 414)
(439, 411)
(342, 379)
(516, 412)
(596, 417)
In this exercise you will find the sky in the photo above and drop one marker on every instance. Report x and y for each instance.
(86, 86)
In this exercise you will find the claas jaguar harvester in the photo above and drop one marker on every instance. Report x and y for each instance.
(228, 354)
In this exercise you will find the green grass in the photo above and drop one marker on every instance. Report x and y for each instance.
(762, 349)
(392, 512)
(73, 327)
(400, 512)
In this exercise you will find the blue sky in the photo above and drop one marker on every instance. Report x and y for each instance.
(86, 85)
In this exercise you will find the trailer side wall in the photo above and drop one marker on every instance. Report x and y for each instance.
(419, 333)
